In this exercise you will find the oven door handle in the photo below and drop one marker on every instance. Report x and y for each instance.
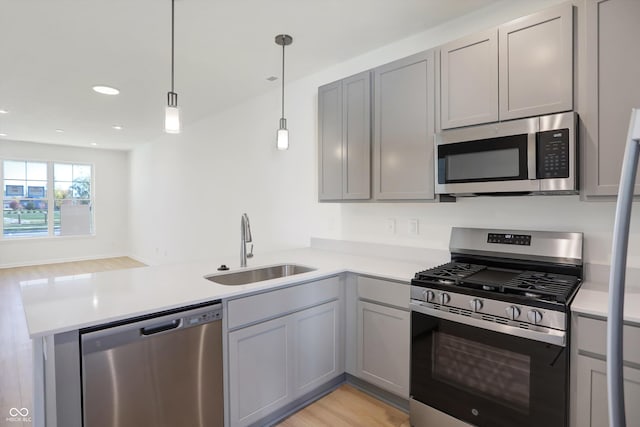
(553, 336)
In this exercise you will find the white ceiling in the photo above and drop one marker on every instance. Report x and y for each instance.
(53, 51)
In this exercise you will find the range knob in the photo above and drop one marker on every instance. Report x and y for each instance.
(476, 304)
(444, 298)
(534, 316)
(428, 296)
(513, 312)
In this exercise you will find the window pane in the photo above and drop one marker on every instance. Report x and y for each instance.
(73, 217)
(62, 172)
(81, 171)
(14, 170)
(24, 217)
(36, 171)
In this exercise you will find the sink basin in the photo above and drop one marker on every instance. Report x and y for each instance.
(258, 275)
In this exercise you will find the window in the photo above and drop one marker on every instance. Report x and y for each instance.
(31, 209)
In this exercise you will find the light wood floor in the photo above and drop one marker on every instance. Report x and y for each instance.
(347, 407)
(16, 364)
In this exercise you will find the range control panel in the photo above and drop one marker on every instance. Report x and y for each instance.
(509, 239)
(553, 154)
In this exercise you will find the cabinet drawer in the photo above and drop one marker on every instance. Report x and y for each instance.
(252, 309)
(384, 291)
(592, 337)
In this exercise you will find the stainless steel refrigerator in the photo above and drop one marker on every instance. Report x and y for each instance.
(615, 381)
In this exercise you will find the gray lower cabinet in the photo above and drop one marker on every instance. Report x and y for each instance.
(590, 396)
(278, 360)
(611, 73)
(260, 366)
(404, 104)
(469, 80)
(383, 339)
(591, 399)
(344, 139)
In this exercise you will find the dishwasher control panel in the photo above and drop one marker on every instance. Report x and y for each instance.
(209, 316)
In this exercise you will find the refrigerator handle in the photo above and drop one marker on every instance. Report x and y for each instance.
(615, 383)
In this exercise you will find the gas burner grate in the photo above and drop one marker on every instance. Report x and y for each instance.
(534, 284)
(451, 272)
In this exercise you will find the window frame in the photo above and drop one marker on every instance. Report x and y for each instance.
(50, 199)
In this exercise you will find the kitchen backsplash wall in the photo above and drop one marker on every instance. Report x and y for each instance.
(199, 183)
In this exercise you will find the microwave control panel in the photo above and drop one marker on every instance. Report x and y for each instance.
(553, 154)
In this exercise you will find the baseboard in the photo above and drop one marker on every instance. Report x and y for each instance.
(293, 407)
(380, 394)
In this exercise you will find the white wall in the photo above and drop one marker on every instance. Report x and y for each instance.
(111, 177)
(225, 165)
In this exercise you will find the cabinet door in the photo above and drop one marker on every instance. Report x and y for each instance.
(592, 406)
(260, 360)
(356, 119)
(469, 80)
(330, 142)
(403, 128)
(536, 64)
(612, 66)
(383, 347)
(317, 348)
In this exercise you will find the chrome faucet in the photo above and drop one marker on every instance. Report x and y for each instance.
(245, 237)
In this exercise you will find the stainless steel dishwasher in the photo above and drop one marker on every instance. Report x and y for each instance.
(163, 370)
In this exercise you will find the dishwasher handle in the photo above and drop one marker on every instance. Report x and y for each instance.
(156, 329)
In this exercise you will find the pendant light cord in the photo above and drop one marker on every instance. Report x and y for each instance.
(283, 80)
(172, 40)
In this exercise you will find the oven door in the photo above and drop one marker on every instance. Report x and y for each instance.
(486, 378)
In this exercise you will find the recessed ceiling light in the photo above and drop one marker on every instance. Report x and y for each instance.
(93, 143)
(60, 130)
(117, 127)
(106, 90)
(3, 134)
(4, 111)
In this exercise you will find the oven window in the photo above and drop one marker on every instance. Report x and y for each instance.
(487, 164)
(489, 372)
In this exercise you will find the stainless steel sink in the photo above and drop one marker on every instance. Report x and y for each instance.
(258, 275)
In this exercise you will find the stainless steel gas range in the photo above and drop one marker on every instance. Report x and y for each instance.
(490, 330)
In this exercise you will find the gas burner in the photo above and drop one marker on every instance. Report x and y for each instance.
(451, 272)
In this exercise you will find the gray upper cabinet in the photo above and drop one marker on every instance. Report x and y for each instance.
(611, 73)
(536, 64)
(522, 69)
(344, 139)
(469, 80)
(403, 129)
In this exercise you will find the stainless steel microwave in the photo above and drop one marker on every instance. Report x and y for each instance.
(527, 156)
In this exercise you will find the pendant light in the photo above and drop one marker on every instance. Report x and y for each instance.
(282, 141)
(172, 113)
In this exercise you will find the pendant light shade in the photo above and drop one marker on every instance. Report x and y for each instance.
(172, 112)
(282, 139)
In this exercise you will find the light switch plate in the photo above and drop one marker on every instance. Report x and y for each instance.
(413, 226)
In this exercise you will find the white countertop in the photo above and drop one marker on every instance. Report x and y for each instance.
(72, 302)
(593, 297)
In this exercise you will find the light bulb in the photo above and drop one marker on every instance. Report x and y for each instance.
(172, 119)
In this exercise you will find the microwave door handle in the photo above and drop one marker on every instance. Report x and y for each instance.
(531, 155)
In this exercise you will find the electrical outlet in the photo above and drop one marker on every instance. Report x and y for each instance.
(413, 226)
(391, 226)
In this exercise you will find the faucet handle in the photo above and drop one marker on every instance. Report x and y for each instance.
(250, 254)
